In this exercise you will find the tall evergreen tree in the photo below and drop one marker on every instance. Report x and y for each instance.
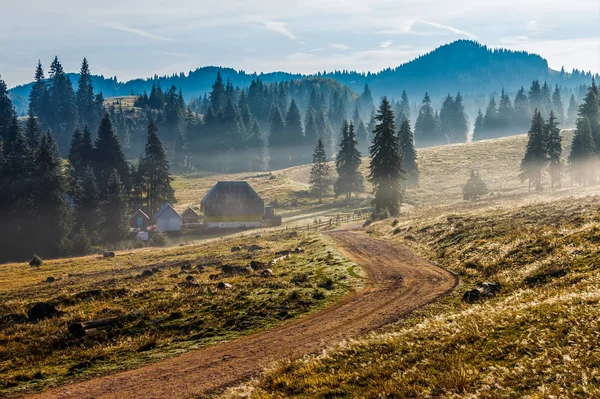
(546, 100)
(256, 148)
(460, 124)
(154, 169)
(535, 97)
(108, 156)
(447, 117)
(590, 109)
(62, 106)
(535, 155)
(408, 152)
(386, 172)
(38, 96)
(277, 140)
(33, 132)
(115, 212)
(505, 113)
(7, 112)
(490, 120)
(582, 159)
(404, 107)
(557, 106)
(521, 112)
(347, 162)
(426, 132)
(294, 135)
(572, 111)
(326, 133)
(86, 104)
(554, 149)
(479, 128)
(217, 95)
(88, 214)
(319, 172)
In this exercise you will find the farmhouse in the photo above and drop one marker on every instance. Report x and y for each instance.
(232, 204)
(167, 219)
(139, 220)
(190, 216)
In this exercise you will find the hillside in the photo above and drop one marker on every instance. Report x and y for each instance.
(462, 65)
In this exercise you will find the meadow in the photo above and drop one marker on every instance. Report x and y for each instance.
(186, 300)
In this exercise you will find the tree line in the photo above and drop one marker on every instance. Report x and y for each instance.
(56, 208)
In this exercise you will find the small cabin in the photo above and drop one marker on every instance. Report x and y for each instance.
(139, 220)
(232, 204)
(167, 219)
(190, 216)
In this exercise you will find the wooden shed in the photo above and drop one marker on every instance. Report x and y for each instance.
(139, 220)
(190, 216)
(232, 204)
(167, 219)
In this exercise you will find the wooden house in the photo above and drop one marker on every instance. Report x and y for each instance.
(139, 220)
(190, 216)
(167, 219)
(232, 204)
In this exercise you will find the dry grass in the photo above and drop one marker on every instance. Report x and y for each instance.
(180, 317)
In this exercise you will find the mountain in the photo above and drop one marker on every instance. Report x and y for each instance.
(463, 65)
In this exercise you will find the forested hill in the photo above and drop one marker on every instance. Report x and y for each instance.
(463, 65)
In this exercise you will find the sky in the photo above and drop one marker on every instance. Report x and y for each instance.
(131, 39)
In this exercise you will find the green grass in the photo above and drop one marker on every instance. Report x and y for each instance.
(179, 317)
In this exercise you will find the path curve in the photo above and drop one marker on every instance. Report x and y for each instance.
(398, 282)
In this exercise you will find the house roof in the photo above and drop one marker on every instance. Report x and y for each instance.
(140, 212)
(230, 198)
(188, 213)
(166, 211)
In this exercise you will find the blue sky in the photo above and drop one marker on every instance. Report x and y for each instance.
(131, 39)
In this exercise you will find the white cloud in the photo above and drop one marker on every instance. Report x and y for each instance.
(279, 27)
(339, 46)
(450, 29)
(139, 32)
(385, 44)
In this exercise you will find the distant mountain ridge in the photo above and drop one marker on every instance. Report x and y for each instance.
(463, 65)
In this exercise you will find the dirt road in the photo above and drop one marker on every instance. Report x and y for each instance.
(398, 282)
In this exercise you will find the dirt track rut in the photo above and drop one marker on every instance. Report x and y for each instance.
(398, 283)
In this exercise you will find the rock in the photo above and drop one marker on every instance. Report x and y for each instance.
(254, 247)
(155, 270)
(108, 254)
(214, 276)
(266, 273)
(146, 273)
(231, 269)
(174, 275)
(50, 279)
(298, 250)
(90, 294)
(224, 286)
(235, 249)
(186, 266)
(36, 261)
(471, 296)
(283, 253)
(483, 290)
(13, 318)
(201, 268)
(257, 265)
(190, 279)
(41, 311)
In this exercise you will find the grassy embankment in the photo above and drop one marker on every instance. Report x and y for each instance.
(538, 338)
(184, 309)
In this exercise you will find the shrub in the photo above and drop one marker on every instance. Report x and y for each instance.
(159, 239)
(394, 222)
(326, 284)
(36, 261)
(475, 187)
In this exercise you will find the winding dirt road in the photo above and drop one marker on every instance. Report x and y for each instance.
(398, 283)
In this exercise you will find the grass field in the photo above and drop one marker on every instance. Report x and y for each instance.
(184, 308)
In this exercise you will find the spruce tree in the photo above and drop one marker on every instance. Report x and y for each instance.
(546, 100)
(114, 209)
(447, 118)
(521, 112)
(256, 148)
(88, 213)
(479, 128)
(404, 107)
(277, 140)
(38, 96)
(582, 159)
(294, 135)
(319, 172)
(490, 119)
(557, 106)
(426, 130)
(554, 149)
(54, 216)
(535, 155)
(7, 112)
(154, 169)
(311, 133)
(535, 97)
(326, 133)
(505, 113)
(347, 162)
(460, 124)
(233, 139)
(475, 187)
(572, 111)
(86, 105)
(62, 106)
(590, 109)
(385, 171)
(33, 132)
(408, 152)
(108, 156)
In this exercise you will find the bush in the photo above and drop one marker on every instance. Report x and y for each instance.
(394, 222)
(475, 187)
(159, 239)
(326, 284)
(36, 261)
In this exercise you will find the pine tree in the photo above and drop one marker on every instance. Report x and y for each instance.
(326, 133)
(554, 149)
(572, 111)
(277, 140)
(38, 96)
(114, 208)
(460, 124)
(108, 156)
(319, 172)
(475, 187)
(521, 113)
(88, 214)
(233, 139)
(405, 107)
(365, 103)
(479, 128)
(7, 112)
(490, 120)
(154, 169)
(557, 106)
(535, 154)
(33, 132)
(386, 172)
(546, 100)
(62, 105)
(86, 105)
(256, 148)
(590, 109)
(294, 135)
(54, 216)
(408, 152)
(426, 131)
(447, 117)
(582, 160)
(535, 97)
(505, 113)
(347, 162)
